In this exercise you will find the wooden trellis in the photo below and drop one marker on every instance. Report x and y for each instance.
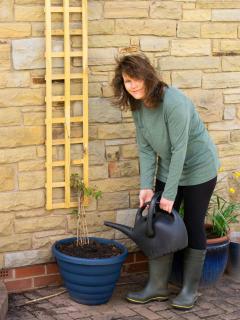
(64, 66)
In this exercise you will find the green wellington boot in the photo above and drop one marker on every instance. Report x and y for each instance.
(192, 271)
(157, 286)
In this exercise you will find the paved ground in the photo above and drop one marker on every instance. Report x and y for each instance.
(221, 302)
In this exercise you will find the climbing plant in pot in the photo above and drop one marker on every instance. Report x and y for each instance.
(221, 215)
(89, 266)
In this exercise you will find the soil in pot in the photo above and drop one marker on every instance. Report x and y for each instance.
(93, 250)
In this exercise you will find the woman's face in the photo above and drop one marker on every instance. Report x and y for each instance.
(135, 87)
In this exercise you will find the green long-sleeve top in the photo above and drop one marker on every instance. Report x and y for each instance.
(174, 144)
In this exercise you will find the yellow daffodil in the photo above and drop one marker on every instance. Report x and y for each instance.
(220, 169)
(237, 174)
(232, 190)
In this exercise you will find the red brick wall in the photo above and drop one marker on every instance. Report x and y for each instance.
(42, 275)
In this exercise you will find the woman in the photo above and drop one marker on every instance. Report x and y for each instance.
(174, 146)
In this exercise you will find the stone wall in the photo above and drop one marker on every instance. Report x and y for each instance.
(195, 44)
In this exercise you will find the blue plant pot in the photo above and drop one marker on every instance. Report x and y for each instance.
(90, 281)
(214, 265)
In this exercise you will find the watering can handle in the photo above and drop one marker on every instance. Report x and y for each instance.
(151, 211)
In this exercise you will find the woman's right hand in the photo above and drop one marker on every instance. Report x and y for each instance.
(145, 195)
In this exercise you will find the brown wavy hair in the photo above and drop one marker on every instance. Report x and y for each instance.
(138, 67)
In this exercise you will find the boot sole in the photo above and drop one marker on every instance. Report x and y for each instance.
(176, 306)
(146, 301)
(181, 307)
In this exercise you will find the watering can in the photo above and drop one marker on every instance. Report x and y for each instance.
(158, 233)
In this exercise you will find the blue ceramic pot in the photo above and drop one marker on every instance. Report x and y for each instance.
(214, 265)
(90, 281)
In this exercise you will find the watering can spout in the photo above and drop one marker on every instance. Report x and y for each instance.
(121, 227)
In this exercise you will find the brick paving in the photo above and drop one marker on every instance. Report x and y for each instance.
(221, 302)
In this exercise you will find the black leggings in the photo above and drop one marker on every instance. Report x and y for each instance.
(196, 200)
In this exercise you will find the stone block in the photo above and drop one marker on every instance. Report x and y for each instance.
(102, 110)
(15, 30)
(41, 152)
(230, 163)
(15, 201)
(31, 180)
(226, 15)
(107, 91)
(30, 225)
(208, 102)
(98, 76)
(94, 221)
(188, 5)
(117, 184)
(113, 200)
(5, 55)
(101, 27)
(232, 98)
(17, 154)
(220, 137)
(14, 79)
(227, 150)
(230, 46)
(6, 225)
(20, 136)
(231, 63)
(93, 132)
(33, 165)
(191, 47)
(6, 10)
(21, 97)
(191, 63)
(28, 53)
(112, 153)
(29, 13)
(129, 151)
(123, 169)
(187, 79)
(32, 213)
(116, 131)
(7, 178)
(94, 90)
(10, 243)
(48, 241)
(34, 118)
(126, 217)
(225, 125)
(127, 9)
(96, 152)
(95, 10)
(38, 29)
(98, 41)
(197, 15)
(99, 56)
(188, 30)
(154, 27)
(165, 10)
(229, 113)
(118, 142)
(235, 136)
(151, 43)
(10, 117)
(220, 4)
(218, 30)
(98, 172)
(221, 80)
(28, 257)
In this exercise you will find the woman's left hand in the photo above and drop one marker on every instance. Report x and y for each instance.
(166, 205)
